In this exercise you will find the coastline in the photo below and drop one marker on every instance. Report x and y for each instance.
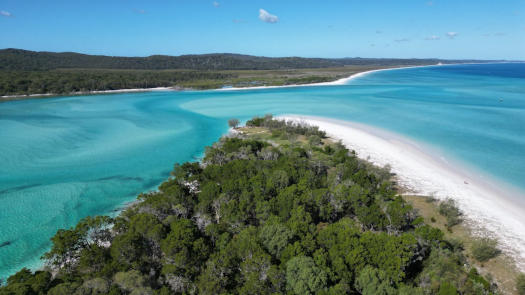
(489, 210)
(340, 81)
(337, 82)
(115, 91)
(345, 80)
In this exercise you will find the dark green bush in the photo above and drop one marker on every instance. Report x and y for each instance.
(451, 212)
(485, 249)
(520, 284)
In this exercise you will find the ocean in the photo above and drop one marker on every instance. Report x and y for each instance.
(66, 158)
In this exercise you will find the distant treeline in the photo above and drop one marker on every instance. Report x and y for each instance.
(70, 81)
(17, 59)
(24, 72)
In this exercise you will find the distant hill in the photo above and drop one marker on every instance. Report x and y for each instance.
(25, 60)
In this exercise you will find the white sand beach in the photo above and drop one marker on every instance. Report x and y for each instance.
(92, 92)
(130, 90)
(489, 209)
(341, 81)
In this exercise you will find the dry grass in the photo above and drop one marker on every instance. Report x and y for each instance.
(261, 133)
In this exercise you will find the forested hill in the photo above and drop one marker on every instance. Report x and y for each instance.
(24, 60)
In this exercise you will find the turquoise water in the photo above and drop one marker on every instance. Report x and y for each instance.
(66, 158)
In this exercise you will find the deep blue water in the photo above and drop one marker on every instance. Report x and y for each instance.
(66, 158)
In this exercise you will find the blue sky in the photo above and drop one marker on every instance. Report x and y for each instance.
(484, 29)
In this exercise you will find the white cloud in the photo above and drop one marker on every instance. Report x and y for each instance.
(266, 17)
(216, 4)
(433, 37)
(5, 13)
(452, 35)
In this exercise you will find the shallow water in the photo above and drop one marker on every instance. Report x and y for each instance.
(67, 158)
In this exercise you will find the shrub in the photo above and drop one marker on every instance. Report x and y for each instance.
(520, 284)
(451, 212)
(373, 281)
(447, 289)
(298, 128)
(303, 276)
(314, 140)
(485, 249)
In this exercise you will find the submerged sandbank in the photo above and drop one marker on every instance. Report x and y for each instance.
(490, 208)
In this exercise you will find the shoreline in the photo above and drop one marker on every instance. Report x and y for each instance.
(341, 81)
(488, 209)
(345, 80)
(115, 91)
(338, 82)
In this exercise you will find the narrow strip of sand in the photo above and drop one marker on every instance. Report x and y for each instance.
(489, 209)
(129, 90)
(341, 81)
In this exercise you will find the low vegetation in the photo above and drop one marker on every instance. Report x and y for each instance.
(257, 217)
(484, 249)
(502, 268)
(449, 209)
(520, 284)
(283, 127)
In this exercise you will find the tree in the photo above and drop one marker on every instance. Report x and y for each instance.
(183, 247)
(132, 280)
(372, 281)
(68, 244)
(25, 282)
(303, 276)
(275, 237)
(233, 123)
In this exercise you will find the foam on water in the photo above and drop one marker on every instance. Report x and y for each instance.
(66, 158)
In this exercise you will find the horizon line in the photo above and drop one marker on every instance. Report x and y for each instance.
(252, 55)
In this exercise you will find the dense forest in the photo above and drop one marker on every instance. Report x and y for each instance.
(71, 81)
(294, 214)
(25, 72)
(25, 60)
